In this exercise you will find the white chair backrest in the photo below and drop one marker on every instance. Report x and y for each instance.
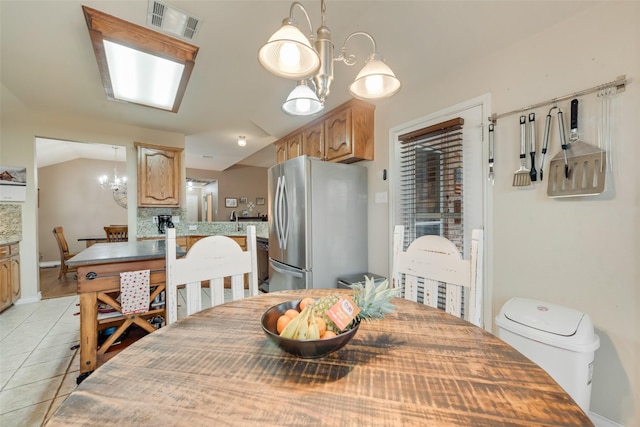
(210, 259)
(433, 260)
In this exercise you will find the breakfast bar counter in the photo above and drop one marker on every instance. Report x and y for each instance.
(99, 268)
(418, 366)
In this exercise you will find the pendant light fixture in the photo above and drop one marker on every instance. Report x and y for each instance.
(302, 101)
(289, 53)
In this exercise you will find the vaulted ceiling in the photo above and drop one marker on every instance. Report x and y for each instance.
(47, 62)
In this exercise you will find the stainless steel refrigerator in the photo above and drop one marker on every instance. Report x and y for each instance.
(317, 223)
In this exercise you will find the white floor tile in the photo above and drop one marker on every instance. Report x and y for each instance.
(41, 355)
(5, 376)
(52, 340)
(13, 361)
(31, 416)
(35, 353)
(17, 345)
(38, 372)
(29, 394)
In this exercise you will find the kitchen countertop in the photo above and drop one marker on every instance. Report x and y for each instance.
(226, 228)
(102, 253)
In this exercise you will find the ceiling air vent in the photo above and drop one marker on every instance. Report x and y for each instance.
(171, 20)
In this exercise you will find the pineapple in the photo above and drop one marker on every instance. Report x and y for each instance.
(372, 301)
(322, 306)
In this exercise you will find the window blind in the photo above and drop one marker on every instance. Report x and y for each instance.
(431, 177)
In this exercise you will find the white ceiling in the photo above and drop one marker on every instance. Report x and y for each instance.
(47, 62)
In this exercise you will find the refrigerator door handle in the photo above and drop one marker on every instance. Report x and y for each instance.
(289, 272)
(285, 213)
(276, 213)
(282, 228)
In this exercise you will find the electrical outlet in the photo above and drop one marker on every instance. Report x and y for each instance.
(193, 227)
(155, 219)
(175, 219)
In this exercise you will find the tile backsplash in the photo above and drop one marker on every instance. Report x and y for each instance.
(147, 228)
(10, 223)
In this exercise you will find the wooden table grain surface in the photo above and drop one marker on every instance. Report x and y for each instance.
(419, 366)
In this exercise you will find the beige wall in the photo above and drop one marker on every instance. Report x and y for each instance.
(19, 129)
(71, 197)
(579, 252)
(237, 181)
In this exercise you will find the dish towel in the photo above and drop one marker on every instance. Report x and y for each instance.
(134, 291)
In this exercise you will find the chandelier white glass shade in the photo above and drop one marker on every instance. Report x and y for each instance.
(242, 140)
(302, 101)
(288, 54)
(117, 183)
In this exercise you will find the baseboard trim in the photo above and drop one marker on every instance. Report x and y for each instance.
(601, 421)
(29, 300)
(47, 264)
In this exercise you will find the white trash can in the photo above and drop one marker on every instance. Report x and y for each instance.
(560, 340)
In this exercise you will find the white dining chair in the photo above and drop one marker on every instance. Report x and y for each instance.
(431, 261)
(211, 259)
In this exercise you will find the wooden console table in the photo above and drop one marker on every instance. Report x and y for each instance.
(99, 268)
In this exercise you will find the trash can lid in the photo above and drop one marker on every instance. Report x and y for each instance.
(359, 278)
(543, 316)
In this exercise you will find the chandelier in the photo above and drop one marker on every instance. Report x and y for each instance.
(117, 184)
(290, 54)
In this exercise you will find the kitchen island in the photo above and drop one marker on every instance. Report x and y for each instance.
(99, 268)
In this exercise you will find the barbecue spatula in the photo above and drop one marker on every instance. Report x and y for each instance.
(521, 177)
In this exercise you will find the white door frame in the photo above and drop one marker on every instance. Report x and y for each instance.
(484, 101)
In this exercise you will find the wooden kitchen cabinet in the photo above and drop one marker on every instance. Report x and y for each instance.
(289, 148)
(313, 140)
(348, 133)
(294, 146)
(345, 135)
(9, 275)
(281, 151)
(159, 175)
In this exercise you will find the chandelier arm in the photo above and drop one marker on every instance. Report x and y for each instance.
(296, 3)
(351, 59)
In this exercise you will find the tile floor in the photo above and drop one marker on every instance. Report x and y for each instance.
(36, 343)
(38, 368)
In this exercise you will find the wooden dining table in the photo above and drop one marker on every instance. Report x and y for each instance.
(418, 366)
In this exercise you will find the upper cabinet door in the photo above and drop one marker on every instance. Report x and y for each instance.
(159, 175)
(294, 146)
(313, 141)
(337, 131)
(281, 151)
